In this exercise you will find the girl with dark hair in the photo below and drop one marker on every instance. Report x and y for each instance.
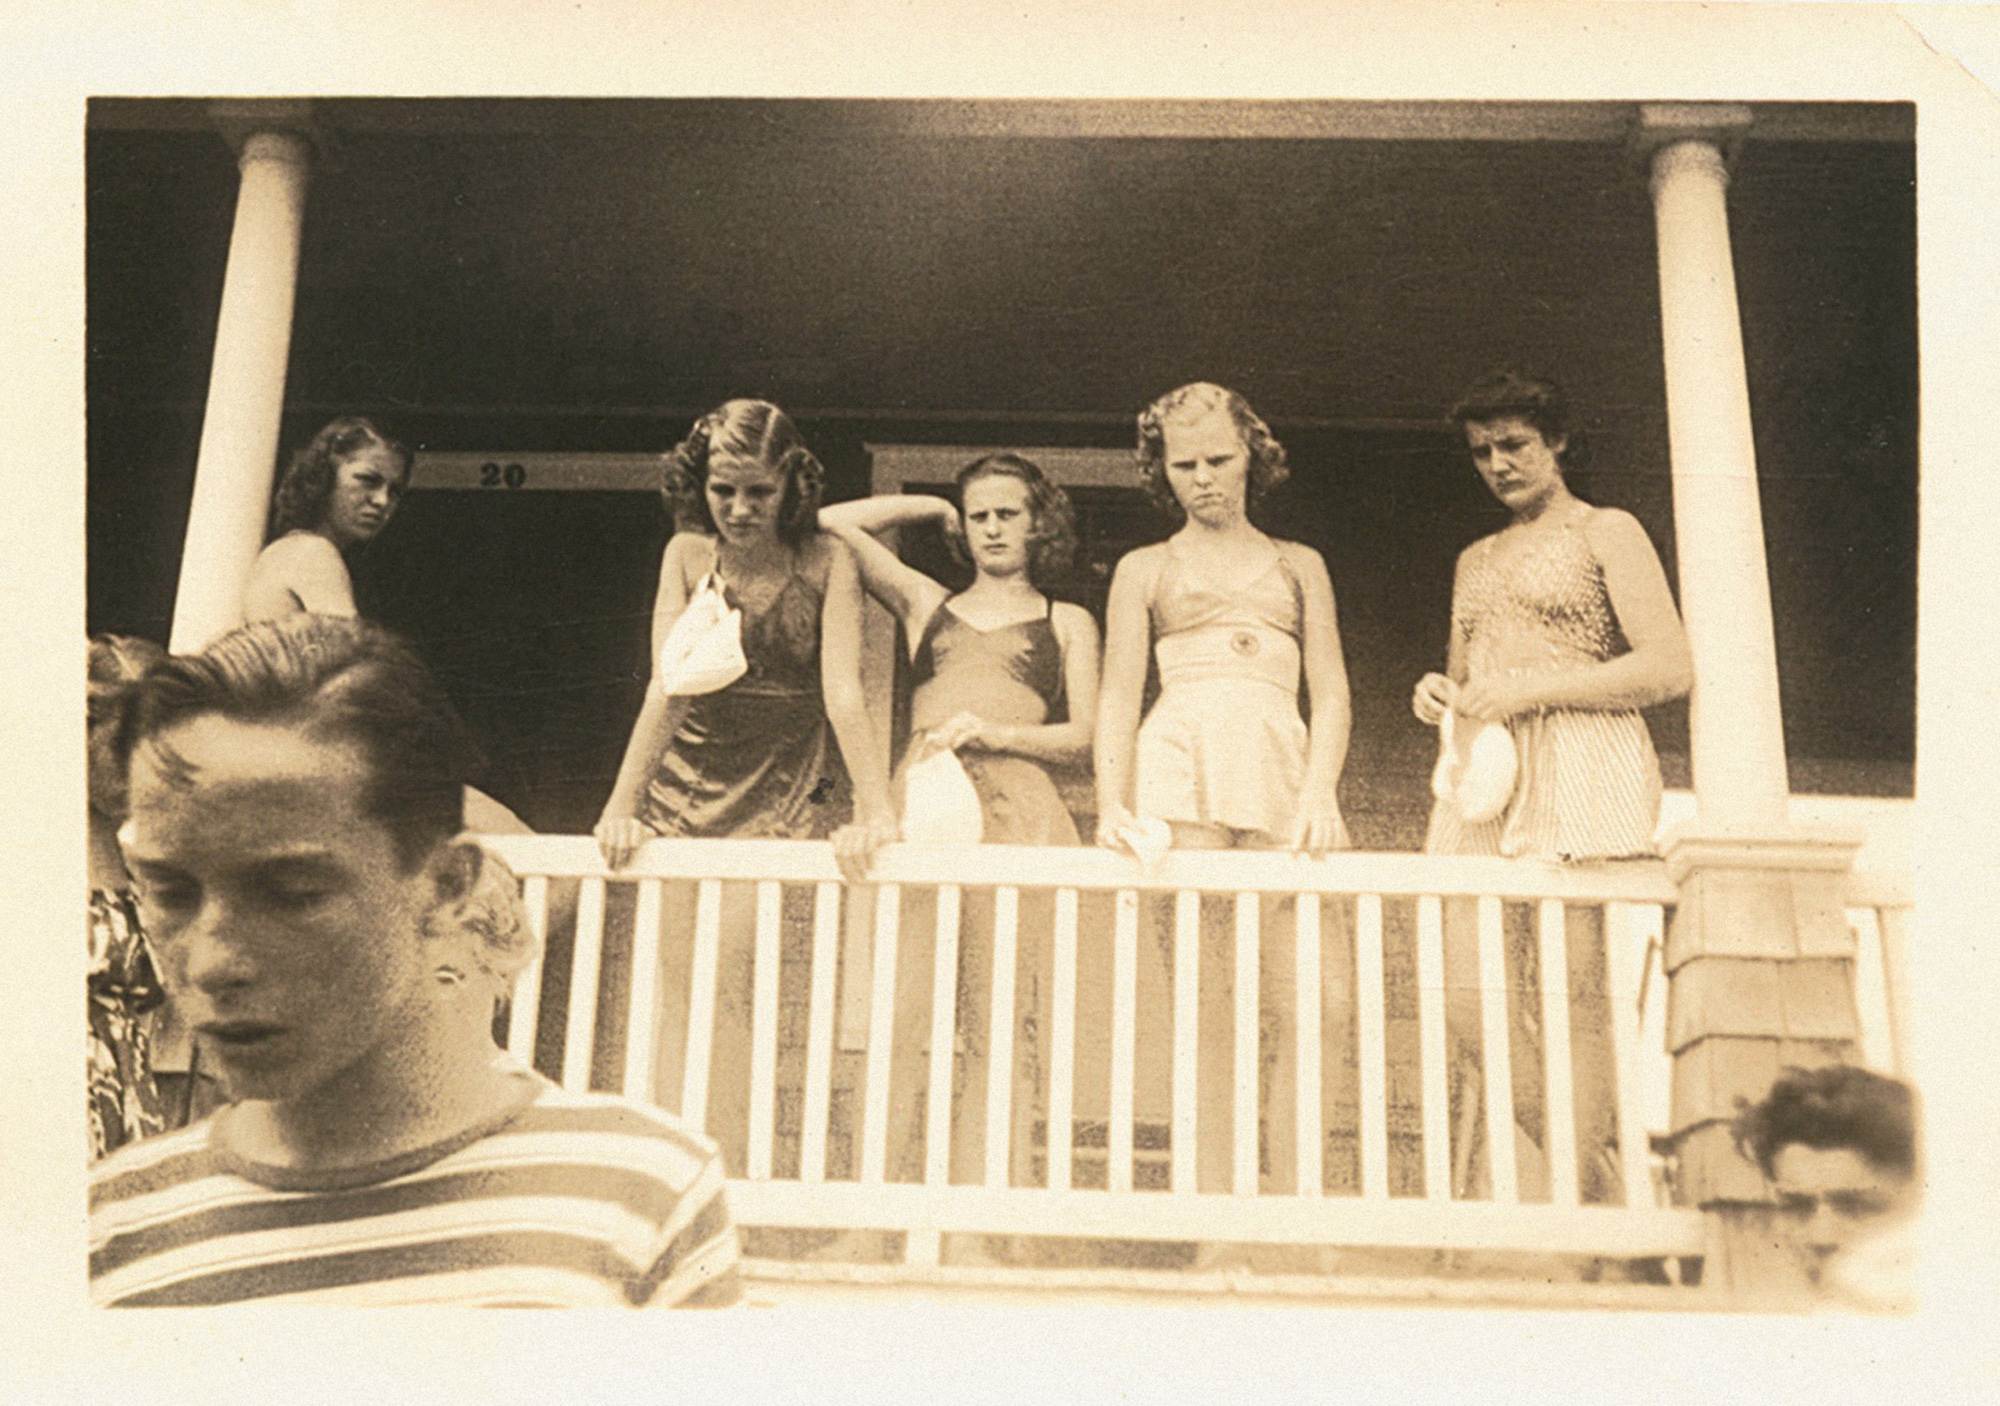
(335, 497)
(1562, 629)
(1005, 677)
(1002, 674)
(772, 753)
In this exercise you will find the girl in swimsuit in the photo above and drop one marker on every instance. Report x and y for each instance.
(1006, 677)
(784, 752)
(335, 497)
(1235, 619)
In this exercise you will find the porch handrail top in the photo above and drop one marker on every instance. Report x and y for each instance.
(1088, 867)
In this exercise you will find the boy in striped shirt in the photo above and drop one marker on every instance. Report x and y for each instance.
(296, 802)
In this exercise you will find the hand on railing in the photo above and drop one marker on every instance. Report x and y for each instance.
(854, 845)
(619, 838)
(1319, 827)
(1433, 697)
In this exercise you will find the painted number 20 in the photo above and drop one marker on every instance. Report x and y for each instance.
(498, 475)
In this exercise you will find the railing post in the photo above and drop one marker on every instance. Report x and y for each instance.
(1759, 957)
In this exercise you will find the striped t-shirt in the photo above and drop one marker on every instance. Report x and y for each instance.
(569, 1200)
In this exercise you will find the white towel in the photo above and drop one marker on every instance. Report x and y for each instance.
(703, 652)
(940, 803)
(1476, 766)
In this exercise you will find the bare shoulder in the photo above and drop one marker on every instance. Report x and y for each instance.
(298, 549)
(1072, 621)
(690, 553)
(1613, 531)
(1140, 567)
(1303, 559)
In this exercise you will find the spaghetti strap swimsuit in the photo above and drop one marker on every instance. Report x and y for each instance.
(1225, 744)
(1588, 784)
(758, 758)
(1012, 675)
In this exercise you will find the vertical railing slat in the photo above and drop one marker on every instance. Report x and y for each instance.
(1062, 1045)
(1625, 930)
(1306, 1028)
(580, 1038)
(1558, 1071)
(881, 1036)
(1000, 1031)
(944, 1031)
(1894, 925)
(525, 1009)
(1244, 1103)
(1370, 1011)
(1431, 1034)
(1186, 1038)
(701, 1002)
(1871, 989)
(1124, 1032)
(641, 1017)
(1498, 1056)
(764, 1030)
(819, 1032)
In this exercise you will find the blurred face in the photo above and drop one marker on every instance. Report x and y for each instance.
(1834, 1197)
(1208, 467)
(744, 496)
(366, 490)
(999, 524)
(280, 916)
(1520, 467)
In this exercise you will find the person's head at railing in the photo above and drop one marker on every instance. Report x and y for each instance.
(1194, 402)
(344, 484)
(737, 455)
(1838, 1146)
(296, 808)
(998, 493)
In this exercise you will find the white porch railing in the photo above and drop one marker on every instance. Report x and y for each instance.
(1370, 1151)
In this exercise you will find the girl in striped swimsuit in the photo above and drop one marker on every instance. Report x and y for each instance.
(1562, 628)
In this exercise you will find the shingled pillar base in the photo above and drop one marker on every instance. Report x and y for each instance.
(1760, 973)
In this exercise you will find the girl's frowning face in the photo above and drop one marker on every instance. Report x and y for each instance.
(999, 524)
(366, 490)
(1208, 467)
(744, 497)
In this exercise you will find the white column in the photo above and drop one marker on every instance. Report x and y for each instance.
(1736, 727)
(246, 389)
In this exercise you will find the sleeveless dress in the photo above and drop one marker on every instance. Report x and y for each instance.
(1012, 675)
(758, 758)
(1225, 744)
(1589, 780)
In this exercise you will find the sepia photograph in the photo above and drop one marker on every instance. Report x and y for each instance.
(809, 701)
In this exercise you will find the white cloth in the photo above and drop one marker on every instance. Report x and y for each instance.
(703, 652)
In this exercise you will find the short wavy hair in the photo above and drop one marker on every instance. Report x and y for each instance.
(306, 487)
(336, 678)
(1268, 465)
(745, 429)
(1837, 1106)
(1509, 395)
(1051, 518)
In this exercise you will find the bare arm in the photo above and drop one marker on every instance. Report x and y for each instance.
(302, 571)
(903, 590)
(1657, 667)
(1128, 634)
(847, 711)
(1047, 742)
(619, 831)
(1435, 692)
(1319, 825)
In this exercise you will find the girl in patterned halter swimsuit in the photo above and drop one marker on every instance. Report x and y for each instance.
(1562, 628)
(1007, 678)
(1236, 620)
